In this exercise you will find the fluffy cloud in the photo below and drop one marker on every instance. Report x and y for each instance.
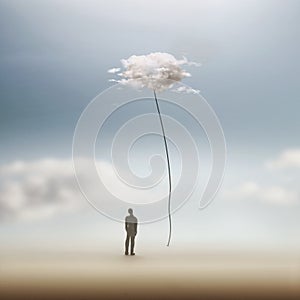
(289, 158)
(268, 194)
(38, 189)
(156, 71)
(114, 70)
(186, 89)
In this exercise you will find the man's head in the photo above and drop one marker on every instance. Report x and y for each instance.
(130, 211)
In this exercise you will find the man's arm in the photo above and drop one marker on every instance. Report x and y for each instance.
(135, 227)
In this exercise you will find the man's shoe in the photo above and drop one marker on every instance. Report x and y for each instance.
(132, 254)
(126, 253)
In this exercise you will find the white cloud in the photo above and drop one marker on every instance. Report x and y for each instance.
(114, 70)
(289, 158)
(186, 89)
(156, 71)
(269, 194)
(38, 189)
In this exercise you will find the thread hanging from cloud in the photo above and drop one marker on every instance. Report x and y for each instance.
(157, 71)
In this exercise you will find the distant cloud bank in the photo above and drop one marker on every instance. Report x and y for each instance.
(273, 194)
(289, 158)
(277, 194)
(43, 188)
(38, 189)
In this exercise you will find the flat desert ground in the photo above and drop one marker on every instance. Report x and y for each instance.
(168, 274)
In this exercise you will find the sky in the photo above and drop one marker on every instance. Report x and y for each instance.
(54, 58)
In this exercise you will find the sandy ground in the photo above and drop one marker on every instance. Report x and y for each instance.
(165, 275)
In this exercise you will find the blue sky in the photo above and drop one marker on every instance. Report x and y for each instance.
(54, 59)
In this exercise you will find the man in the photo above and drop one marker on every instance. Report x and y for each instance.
(131, 229)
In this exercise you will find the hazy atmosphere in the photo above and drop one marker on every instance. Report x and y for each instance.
(54, 59)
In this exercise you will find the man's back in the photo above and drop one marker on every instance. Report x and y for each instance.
(131, 225)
